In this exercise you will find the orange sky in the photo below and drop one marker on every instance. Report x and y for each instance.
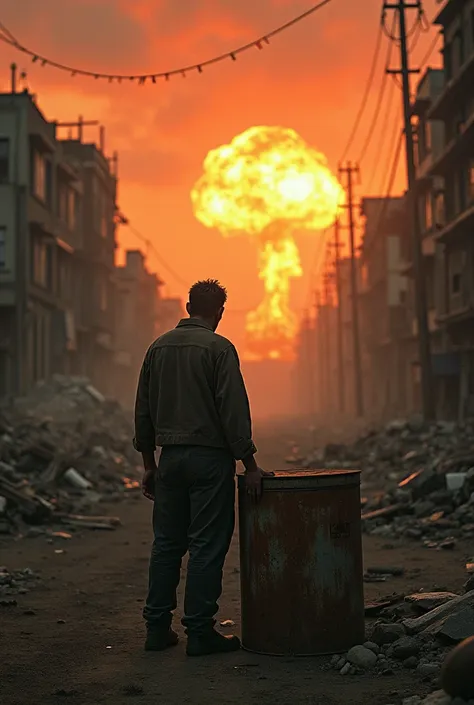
(310, 78)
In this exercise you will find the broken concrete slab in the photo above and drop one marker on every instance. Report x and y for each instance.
(419, 624)
(422, 482)
(427, 601)
(456, 627)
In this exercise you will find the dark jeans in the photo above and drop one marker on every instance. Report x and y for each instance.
(193, 511)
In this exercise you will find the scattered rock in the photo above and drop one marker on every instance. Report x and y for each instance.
(361, 657)
(437, 698)
(372, 647)
(428, 670)
(345, 669)
(405, 647)
(387, 633)
(413, 700)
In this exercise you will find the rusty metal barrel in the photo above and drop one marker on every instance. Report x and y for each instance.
(301, 564)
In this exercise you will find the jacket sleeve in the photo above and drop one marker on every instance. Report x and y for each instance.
(233, 405)
(144, 440)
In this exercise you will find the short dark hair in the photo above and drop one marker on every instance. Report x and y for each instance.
(206, 298)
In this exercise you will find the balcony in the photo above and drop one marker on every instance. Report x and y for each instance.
(459, 306)
(458, 313)
(456, 89)
(458, 228)
(456, 149)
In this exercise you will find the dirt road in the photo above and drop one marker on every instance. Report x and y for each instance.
(78, 637)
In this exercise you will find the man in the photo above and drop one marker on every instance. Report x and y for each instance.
(191, 401)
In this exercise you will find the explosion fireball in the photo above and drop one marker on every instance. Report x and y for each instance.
(267, 184)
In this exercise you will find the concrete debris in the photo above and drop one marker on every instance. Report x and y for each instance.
(458, 626)
(64, 449)
(439, 697)
(16, 582)
(361, 657)
(387, 633)
(419, 643)
(440, 614)
(469, 584)
(428, 670)
(76, 480)
(372, 647)
(427, 601)
(404, 648)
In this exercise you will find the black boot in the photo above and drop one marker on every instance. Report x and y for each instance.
(159, 640)
(211, 643)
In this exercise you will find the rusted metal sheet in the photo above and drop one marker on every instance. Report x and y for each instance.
(301, 564)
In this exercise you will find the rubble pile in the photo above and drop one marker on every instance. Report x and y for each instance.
(439, 697)
(63, 450)
(414, 632)
(419, 479)
(16, 582)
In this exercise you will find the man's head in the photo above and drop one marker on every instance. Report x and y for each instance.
(207, 300)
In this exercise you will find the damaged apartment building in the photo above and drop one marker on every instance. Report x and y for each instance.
(57, 202)
(58, 279)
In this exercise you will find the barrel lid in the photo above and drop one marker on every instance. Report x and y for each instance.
(309, 478)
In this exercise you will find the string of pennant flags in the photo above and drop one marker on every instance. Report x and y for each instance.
(7, 37)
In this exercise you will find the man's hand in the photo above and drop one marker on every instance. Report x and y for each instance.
(148, 481)
(253, 483)
(253, 477)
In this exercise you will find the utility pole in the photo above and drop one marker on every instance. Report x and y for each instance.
(424, 343)
(319, 335)
(339, 333)
(350, 170)
(13, 68)
(327, 339)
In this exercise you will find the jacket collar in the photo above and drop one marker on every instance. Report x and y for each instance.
(193, 322)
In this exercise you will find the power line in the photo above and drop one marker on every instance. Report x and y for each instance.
(152, 77)
(315, 269)
(157, 255)
(378, 105)
(365, 96)
(384, 134)
(421, 23)
(391, 181)
(7, 32)
(149, 245)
